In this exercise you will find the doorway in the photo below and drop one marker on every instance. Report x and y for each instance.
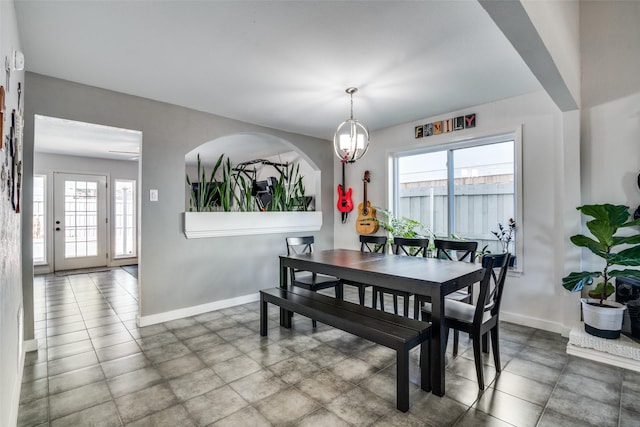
(80, 221)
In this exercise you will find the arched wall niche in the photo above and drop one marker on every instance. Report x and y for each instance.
(245, 147)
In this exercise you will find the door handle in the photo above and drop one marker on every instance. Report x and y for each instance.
(58, 222)
(57, 228)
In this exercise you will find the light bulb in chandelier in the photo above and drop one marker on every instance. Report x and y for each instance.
(351, 140)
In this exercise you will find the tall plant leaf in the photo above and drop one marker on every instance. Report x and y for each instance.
(574, 282)
(630, 257)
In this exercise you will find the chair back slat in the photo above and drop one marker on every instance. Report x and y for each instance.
(492, 284)
(465, 250)
(373, 243)
(415, 246)
(297, 246)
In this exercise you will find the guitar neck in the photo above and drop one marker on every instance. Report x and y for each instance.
(364, 203)
(343, 180)
(365, 210)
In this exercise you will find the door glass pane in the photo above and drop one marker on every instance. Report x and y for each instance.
(423, 190)
(81, 217)
(484, 192)
(39, 243)
(125, 227)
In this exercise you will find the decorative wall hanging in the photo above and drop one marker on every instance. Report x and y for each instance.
(14, 161)
(7, 70)
(1, 115)
(446, 125)
(18, 186)
(437, 128)
(636, 214)
(3, 178)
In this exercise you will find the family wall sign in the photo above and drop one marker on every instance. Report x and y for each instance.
(448, 125)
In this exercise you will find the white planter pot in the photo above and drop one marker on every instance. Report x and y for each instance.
(603, 322)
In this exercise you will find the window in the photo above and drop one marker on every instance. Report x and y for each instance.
(39, 220)
(125, 218)
(461, 189)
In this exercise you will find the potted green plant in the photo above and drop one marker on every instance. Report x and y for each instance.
(505, 235)
(603, 318)
(480, 253)
(403, 227)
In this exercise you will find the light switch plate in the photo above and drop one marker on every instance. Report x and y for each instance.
(153, 195)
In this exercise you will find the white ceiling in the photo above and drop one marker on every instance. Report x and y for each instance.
(68, 137)
(281, 64)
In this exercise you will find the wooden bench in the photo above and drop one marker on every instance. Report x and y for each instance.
(398, 333)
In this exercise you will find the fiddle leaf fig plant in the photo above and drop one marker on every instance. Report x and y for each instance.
(607, 219)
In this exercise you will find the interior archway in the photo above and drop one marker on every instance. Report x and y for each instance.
(266, 150)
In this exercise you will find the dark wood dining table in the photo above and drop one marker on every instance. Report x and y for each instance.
(430, 277)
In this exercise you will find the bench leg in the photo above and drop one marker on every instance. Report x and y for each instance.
(285, 318)
(263, 316)
(402, 379)
(425, 365)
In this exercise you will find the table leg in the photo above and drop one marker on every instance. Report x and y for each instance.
(438, 343)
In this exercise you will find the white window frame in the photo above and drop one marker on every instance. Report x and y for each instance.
(502, 136)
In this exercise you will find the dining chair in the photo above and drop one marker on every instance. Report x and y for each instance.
(481, 318)
(368, 243)
(455, 250)
(308, 280)
(404, 246)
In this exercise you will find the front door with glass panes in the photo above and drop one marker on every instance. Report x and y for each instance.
(80, 221)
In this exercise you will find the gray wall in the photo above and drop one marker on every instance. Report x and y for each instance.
(177, 273)
(11, 298)
(610, 150)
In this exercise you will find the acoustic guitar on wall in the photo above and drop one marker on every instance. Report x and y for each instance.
(367, 223)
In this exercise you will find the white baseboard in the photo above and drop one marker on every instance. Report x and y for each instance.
(195, 310)
(534, 322)
(16, 391)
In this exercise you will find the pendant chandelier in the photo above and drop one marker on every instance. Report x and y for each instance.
(351, 140)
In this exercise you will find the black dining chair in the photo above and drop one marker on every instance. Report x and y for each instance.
(456, 250)
(305, 279)
(368, 243)
(481, 318)
(416, 246)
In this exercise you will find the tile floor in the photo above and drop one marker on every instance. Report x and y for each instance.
(95, 367)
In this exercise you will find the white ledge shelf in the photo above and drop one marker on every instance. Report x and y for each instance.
(622, 352)
(198, 225)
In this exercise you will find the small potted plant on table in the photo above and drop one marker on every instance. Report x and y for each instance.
(603, 318)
